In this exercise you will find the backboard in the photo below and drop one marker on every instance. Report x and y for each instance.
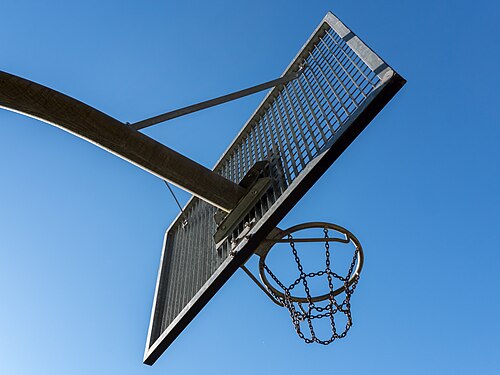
(293, 137)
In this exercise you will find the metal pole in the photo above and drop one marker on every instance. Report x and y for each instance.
(213, 102)
(29, 98)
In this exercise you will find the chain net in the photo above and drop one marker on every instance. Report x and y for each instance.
(307, 312)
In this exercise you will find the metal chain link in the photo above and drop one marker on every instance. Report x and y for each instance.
(311, 311)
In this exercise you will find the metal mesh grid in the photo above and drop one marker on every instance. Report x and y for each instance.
(304, 114)
(190, 251)
(291, 127)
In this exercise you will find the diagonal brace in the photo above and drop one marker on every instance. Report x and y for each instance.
(213, 102)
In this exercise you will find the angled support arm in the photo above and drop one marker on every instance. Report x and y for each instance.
(214, 102)
(31, 99)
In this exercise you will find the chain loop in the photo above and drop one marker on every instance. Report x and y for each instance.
(307, 312)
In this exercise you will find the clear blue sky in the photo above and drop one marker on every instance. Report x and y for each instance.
(81, 230)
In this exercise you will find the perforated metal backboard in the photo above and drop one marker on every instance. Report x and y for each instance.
(299, 130)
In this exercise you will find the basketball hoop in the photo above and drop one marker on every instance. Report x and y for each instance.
(307, 309)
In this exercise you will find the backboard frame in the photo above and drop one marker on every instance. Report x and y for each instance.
(390, 83)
